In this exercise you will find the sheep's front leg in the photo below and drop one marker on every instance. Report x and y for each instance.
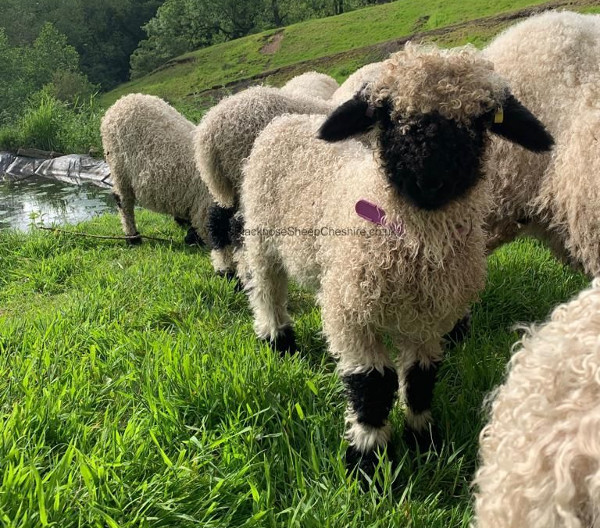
(419, 381)
(371, 384)
(125, 199)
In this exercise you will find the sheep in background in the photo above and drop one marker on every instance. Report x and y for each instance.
(311, 84)
(355, 82)
(552, 64)
(540, 451)
(148, 147)
(222, 141)
(422, 187)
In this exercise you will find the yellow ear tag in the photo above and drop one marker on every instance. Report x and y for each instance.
(499, 116)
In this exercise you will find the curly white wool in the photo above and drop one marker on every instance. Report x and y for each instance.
(551, 63)
(148, 146)
(311, 84)
(540, 451)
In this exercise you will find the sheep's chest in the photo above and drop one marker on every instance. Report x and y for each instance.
(414, 294)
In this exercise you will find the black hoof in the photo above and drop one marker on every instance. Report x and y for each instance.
(423, 441)
(134, 240)
(285, 341)
(460, 331)
(192, 238)
(232, 277)
(182, 222)
(365, 466)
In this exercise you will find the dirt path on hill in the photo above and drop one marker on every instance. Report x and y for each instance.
(383, 49)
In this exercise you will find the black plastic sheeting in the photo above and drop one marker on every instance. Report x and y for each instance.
(73, 168)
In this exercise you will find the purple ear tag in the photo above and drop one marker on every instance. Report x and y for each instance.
(375, 214)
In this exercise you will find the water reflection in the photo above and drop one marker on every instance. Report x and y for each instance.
(56, 202)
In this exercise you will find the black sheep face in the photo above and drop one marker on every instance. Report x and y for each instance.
(429, 159)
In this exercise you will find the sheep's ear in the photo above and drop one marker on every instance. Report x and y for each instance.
(351, 118)
(519, 125)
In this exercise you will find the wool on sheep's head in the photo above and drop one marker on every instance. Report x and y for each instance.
(434, 110)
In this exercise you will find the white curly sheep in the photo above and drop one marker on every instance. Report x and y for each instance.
(148, 147)
(222, 141)
(540, 451)
(311, 84)
(355, 82)
(553, 66)
(391, 238)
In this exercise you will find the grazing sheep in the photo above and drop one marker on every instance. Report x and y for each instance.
(540, 451)
(355, 82)
(391, 238)
(311, 84)
(224, 138)
(552, 64)
(148, 147)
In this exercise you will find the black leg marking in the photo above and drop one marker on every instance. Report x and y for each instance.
(182, 222)
(285, 341)
(218, 224)
(420, 383)
(192, 238)
(419, 387)
(135, 240)
(372, 395)
(118, 200)
(460, 331)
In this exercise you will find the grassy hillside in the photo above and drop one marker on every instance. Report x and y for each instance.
(133, 394)
(336, 45)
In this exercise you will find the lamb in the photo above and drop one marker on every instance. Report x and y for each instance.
(355, 82)
(551, 63)
(148, 147)
(540, 451)
(223, 139)
(311, 84)
(391, 238)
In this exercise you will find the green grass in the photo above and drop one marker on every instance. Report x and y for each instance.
(133, 393)
(236, 60)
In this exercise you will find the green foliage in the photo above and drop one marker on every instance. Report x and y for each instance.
(49, 54)
(54, 125)
(41, 124)
(185, 25)
(135, 394)
(103, 33)
(49, 62)
(314, 44)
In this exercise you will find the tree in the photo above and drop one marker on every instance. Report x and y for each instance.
(49, 54)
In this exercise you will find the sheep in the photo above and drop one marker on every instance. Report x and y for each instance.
(551, 63)
(223, 139)
(311, 84)
(148, 147)
(540, 451)
(391, 238)
(355, 82)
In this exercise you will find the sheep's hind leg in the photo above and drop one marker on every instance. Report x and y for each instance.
(219, 225)
(267, 294)
(419, 430)
(126, 203)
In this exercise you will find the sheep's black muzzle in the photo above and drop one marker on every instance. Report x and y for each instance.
(431, 160)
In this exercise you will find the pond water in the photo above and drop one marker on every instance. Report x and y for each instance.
(55, 201)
